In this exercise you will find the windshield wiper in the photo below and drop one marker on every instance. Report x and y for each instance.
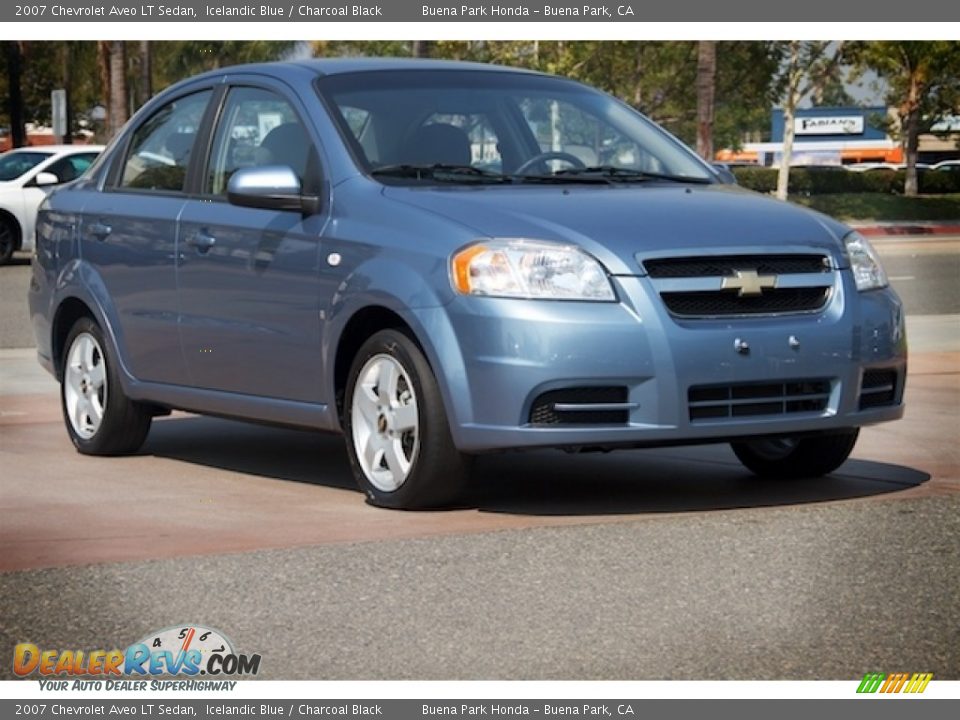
(439, 171)
(620, 174)
(560, 179)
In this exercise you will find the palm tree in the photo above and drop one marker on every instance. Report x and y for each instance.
(18, 134)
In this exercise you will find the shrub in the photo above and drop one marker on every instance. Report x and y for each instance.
(837, 181)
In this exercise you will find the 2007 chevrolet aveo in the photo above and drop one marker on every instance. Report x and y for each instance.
(445, 259)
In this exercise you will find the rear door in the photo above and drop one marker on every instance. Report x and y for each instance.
(248, 278)
(129, 234)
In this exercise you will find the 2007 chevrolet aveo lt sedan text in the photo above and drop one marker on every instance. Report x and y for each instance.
(445, 259)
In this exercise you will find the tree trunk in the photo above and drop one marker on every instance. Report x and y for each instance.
(911, 138)
(422, 48)
(794, 75)
(103, 68)
(706, 90)
(146, 73)
(18, 132)
(118, 86)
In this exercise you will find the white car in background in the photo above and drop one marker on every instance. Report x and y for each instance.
(26, 177)
(946, 166)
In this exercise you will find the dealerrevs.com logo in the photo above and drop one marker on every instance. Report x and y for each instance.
(181, 650)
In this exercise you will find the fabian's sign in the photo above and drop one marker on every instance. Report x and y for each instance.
(829, 125)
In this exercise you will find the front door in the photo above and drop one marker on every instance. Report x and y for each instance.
(248, 278)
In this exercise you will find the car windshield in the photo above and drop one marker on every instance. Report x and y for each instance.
(16, 163)
(473, 126)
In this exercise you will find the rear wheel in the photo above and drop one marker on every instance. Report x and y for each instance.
(797, 457)
(9, 240)
(398, 436)
(100, 419)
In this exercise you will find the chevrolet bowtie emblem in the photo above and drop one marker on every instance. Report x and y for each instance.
(748, 282)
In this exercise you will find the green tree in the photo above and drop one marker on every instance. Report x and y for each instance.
(923, 80)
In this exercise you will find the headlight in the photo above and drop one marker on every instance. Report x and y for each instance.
(865, 263)
(529, 269)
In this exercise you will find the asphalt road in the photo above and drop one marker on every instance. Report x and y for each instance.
(664, 564)
(811, 592)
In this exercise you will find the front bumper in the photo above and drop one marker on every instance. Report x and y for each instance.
(498, 356)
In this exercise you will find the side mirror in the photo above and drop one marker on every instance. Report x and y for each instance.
(44, 179)
(725, 174)
(270, 187)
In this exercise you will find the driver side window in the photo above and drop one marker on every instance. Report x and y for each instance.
(258, 128)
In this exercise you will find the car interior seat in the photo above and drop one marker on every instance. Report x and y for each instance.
(438, 143)
(285, 145)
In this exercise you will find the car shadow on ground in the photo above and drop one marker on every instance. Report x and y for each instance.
(543, 482)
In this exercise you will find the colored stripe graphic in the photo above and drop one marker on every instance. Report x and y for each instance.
(894, 683)
(918, 683)
(871, 682)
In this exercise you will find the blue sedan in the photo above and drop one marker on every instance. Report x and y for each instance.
(445, 259)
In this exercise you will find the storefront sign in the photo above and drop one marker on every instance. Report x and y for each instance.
(829, 125)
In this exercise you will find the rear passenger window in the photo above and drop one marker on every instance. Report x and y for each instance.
(160, 149)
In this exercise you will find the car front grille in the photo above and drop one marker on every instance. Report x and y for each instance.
(776, 301)
(720, 265)
(756, 399)
(878, 389)
(746, 285)
(581, 406)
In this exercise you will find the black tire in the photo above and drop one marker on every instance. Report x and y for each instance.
(123, 423)
(9, 240)
(438, 472)
(791, 458)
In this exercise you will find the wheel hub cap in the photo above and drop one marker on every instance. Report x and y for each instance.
(85, 386)
(385, 424)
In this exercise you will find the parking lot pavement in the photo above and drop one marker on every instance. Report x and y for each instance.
(208, 486)
(671, 563)
(816, 591)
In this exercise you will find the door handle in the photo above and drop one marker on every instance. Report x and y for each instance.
(100, 230)
(201, 240)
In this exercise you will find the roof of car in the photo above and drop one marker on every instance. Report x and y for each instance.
(336, 66)
(53, 149)
(343, 65)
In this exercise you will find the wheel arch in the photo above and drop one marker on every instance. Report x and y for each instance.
(68, 312)
(361, 325)
(428, 328)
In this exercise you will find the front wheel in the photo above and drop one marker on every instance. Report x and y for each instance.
(398, 436)
(797, 457)
(100, 418)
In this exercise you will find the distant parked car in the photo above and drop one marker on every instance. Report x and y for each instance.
(870, 167)
(946, 166)
(353, 263)
(26, 175)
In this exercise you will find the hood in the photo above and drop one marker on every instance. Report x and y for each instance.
(618, 223)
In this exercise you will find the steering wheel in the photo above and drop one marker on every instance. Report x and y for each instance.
(550, 155)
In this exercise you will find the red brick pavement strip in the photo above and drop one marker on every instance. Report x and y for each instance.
(206, 486)
(908, 229)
